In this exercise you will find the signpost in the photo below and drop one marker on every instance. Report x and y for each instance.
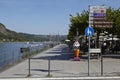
(97, 19)
(89, 31)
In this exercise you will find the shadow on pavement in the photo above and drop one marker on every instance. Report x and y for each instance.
(58, 56)
(60, 53)
(43, 70)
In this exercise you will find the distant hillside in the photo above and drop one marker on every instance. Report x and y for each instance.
(3, 30)
(8, 35)
(33, 37)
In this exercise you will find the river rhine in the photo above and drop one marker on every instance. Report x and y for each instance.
(10, 51)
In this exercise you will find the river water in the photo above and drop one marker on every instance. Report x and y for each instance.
(10, 51)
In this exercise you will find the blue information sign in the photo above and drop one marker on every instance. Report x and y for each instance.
(99, 14)
(89, 31)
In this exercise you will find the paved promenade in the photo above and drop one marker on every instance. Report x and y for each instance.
(63, 65)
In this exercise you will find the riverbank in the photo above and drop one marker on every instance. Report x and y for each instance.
(63, 66)
(11, 55)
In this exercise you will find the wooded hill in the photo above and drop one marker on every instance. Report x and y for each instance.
(7, 35)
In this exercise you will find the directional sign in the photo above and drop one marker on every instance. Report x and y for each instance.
(97, 9)
(99, 14)
(96, 12)
(89, 31)
(95, 50)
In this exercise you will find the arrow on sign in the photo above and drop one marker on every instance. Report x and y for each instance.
(89, 31)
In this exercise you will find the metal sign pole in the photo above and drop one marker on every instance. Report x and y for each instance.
(101, 64)
(89, 57)
(89, 47)
(77, 33)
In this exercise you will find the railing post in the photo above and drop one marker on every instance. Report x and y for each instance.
(28, 67)
(49, 74)
(48, 67)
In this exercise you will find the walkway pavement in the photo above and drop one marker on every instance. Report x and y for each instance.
(62, 65)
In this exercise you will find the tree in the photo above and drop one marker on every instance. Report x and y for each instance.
(79, 22)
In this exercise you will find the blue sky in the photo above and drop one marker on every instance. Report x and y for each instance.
(45, 16)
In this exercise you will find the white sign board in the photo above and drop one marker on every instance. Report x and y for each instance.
(97, 15)
(95, 50)
(97, 9)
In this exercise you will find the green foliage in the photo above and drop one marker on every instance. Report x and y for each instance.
(114, 15)
(80, 22)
